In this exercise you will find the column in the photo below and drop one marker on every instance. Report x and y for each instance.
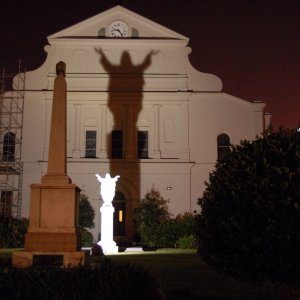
(77, 131)
(103, 132)
(156, 143)
(183, 131)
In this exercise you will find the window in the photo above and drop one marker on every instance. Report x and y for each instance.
(117, 144)
(143, 144)
(90, 143)
(9, 145)
(223, 141)
(6, 203)
(119, 204)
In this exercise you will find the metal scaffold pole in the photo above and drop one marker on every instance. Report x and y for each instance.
(11, 126)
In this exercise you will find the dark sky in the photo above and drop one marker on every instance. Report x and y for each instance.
(252, 45)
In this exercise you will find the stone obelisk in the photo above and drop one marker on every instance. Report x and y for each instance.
(53, 235)
(57, 162)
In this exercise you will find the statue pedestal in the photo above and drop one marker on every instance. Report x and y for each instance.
(107, 243)
(52, 226)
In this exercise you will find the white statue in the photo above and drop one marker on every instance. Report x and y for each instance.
(108, 187)
(107, 191)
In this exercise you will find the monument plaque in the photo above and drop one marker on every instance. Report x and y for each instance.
(48, 260)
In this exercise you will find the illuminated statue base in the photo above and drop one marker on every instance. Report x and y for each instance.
(107, 243)
(109, 248)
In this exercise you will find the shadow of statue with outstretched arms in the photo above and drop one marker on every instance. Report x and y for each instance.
(126, 141)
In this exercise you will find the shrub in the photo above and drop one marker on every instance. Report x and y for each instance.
(167, 233)
(86, 213)
(106, 281)
(186, 223)
(5, 261)
(155, 225)
(12, 232)
(97, 250)
(164, 235)
(250, 220)
(86, 220)
(187, 242)
(153, 211)
(86, 238)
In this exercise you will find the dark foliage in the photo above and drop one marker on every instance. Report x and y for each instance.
(97, 250)
(155, 225)
(86, 238)
(12, 232)
(186, 224)
(174, 232)
(86, 213)
(187, 242)
(86, 220)
(249, 226)
(152, 212)
(5, 262)
(107, 281)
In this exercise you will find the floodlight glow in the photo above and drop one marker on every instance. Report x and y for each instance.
(107, 191)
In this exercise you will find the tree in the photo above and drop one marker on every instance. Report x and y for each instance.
(86, 213)
(12, 232)
(158, 229)
(250, 210)
(86, 220)
(152, 212)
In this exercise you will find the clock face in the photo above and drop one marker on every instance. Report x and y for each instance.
(118, 29)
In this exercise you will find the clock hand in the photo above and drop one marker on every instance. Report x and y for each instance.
(118, 31)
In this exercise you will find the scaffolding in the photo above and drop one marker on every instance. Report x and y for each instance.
(11, 127)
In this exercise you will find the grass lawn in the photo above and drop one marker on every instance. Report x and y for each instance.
(9, 251)
(183, 275)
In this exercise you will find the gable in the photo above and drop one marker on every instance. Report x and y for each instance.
(97, 26)
(76, 46)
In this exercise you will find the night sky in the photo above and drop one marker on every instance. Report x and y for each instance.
(252, 45)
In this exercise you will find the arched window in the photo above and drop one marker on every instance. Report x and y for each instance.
(9, 145)
(223, 142)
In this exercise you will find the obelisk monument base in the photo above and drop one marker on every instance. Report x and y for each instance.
(52, 231)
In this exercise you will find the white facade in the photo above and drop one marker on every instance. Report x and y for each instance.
(142, 82)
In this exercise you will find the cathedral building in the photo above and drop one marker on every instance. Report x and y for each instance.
(137, 108)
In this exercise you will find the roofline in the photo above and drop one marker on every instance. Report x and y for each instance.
(117, 8)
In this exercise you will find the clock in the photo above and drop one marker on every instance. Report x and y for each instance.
(118, 29)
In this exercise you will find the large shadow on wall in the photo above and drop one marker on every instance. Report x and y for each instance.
(126, 142)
